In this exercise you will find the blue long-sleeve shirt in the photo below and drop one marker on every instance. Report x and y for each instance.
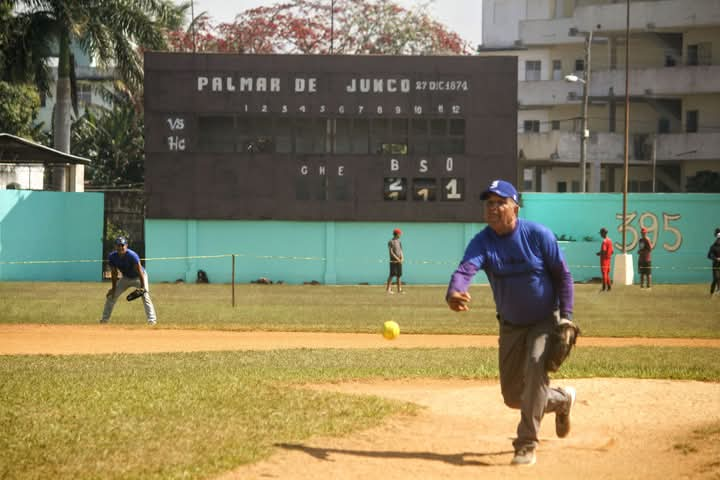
(526, 270)
(127, 263)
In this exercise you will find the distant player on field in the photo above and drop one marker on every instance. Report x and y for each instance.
(605, 254)
(644, 263)
(396, 261)
(714, 256)
(127, 262)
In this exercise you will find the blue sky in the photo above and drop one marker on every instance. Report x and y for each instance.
(462, 16)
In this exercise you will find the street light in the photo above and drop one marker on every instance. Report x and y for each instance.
(586, 87)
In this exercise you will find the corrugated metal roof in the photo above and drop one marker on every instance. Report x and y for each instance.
(15, 150)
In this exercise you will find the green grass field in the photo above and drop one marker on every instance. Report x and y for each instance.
(663, 311)
(192, 415)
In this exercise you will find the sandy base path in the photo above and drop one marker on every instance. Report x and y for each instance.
(18, 339)
(622, 428)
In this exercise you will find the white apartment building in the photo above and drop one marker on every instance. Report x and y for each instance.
(674, 86)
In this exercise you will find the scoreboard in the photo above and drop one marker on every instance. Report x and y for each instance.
(333, 137)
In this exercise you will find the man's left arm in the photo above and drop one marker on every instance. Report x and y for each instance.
(561, 278)
(141, 275)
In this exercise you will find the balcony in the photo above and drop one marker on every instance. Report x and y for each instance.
(548, 32)
(688, 146)
(547, 93)
(564, 147)
(644, 16)
(646, 82)
(663, 81)
(558, 147)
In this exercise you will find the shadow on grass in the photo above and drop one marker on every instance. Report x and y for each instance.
(459, 459)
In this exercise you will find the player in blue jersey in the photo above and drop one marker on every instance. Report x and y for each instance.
(533, 290)
(127, 262)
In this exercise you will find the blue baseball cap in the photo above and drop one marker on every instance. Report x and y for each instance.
(121, 241)
(501, 188)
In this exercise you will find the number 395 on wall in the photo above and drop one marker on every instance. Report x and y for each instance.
(671, 236)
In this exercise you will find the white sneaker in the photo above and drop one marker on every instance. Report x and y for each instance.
(524, 457)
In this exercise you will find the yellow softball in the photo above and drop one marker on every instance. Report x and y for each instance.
(391, 330)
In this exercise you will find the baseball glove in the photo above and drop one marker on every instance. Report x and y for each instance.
(561, 342)
(137, 293)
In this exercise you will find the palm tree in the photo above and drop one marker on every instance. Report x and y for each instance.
(23, 54)
(110, 31)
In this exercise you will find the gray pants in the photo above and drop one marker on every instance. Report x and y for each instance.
(123, 284)
(524, 380)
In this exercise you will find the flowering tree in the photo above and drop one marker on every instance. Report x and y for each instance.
(352, 27)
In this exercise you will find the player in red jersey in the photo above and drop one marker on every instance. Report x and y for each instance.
(605, 254)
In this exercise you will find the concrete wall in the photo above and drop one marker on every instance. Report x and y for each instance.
(356, 252)
(57, 236)
(50, 236)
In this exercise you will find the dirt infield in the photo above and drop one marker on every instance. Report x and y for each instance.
(96, 339)
(622, 428)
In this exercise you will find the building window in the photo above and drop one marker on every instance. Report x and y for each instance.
(705, 53)
(84, 93)
(670, 60)
(531, 126)
(556, 124)
(532, 70)
(691, 121)
(528, 175)
(562, 187)
(663, 125)
(699, 54)
(579, 65)
(557, 70)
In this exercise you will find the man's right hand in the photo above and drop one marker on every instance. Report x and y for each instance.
(457, 301)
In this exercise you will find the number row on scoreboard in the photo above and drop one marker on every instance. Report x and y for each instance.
(438, 109)
(424, 189)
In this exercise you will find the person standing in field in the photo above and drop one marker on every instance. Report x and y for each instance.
(644, 262)
(396, 262)
(714, 256)
(533, 291)
(127, 262)
(605, 254)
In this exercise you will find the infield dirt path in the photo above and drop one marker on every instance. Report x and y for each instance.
(18, 339)
(622, 428)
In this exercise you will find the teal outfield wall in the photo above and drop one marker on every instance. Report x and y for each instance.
(50, 236)
(680, 225)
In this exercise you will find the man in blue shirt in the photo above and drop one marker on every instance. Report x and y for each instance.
(127, 262)
(533, 289)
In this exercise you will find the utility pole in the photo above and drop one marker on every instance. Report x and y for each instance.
(585, 132)
(627, 125)
(585, 80)
(332, 25)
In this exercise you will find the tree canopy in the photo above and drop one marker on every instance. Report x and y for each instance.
(113, 139)
(352, 27)
(111, 32)
(18, 109)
